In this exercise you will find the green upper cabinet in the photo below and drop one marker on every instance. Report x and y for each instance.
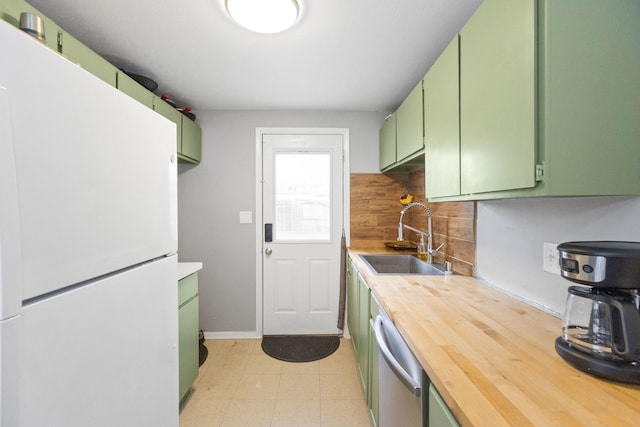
(589, 86)
(77, 52)
(188, 133)
(388, 142)
(402, 136)
(442, 124)
(134, 89)
(10, 11)
(409, 127)
(191, 141)
(497, 97)
(549, 102)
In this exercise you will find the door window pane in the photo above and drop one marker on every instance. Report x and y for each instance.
(302, 196)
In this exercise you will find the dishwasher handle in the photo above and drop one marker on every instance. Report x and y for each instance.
(397, 369)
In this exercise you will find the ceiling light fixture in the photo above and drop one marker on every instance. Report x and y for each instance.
(264, 16)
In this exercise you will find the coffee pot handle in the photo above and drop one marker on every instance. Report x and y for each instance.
(625, 328)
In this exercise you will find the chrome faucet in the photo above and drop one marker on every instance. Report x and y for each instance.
(429, 233)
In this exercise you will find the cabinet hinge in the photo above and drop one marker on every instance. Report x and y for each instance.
(539, 172)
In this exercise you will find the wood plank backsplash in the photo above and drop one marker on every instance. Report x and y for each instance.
(375, 212)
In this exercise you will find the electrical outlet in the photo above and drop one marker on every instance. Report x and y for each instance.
(551, 258)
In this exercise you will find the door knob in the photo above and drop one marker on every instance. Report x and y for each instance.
(268, 251)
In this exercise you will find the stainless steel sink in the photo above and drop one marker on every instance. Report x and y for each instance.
(401, 265)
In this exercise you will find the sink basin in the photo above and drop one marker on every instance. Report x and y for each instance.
(401, 265)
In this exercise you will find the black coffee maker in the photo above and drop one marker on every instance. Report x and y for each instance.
(601, 327)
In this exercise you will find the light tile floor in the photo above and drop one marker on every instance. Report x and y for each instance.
(239, 385)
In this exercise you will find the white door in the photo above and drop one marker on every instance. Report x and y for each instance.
(302, 228)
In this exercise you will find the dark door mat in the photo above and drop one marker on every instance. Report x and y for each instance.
(204, 352)
(300, 348)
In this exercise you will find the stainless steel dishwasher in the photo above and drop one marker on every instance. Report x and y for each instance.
(400, 376)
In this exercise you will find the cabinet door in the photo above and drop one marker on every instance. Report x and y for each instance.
(172, 114)
(352, 304)
(442, 124)
(439, 413)
(374, 383)
(497, 97)
(188, 345)
(388, 142)
(134, 89)
(409, 127)
(363, 331)
(77, 52)
(191, 140)
(590, 89)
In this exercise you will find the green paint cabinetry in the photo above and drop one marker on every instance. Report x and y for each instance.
(388, 142)
(352, 303)
(409, 127)
(363, 332)
(497, 97)
(402, 136)
(134, 89)
(442, 124)
(188, 346)
(188, 133)
(191, 149)
(439, 413)
(547, 106)
(361, 310)
(79, 53)
(372, 397)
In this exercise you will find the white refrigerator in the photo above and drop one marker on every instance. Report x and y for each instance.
(88, 241)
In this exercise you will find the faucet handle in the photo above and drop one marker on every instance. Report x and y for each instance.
(435, 251)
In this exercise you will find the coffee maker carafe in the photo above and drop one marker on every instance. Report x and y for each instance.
(601, 326)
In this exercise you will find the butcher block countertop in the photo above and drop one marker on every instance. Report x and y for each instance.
(492, 357)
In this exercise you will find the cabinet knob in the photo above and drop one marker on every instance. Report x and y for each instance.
(268, 251)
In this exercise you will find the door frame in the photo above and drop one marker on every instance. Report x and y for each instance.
(258, 206)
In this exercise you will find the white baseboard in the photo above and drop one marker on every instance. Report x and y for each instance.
(231, 335)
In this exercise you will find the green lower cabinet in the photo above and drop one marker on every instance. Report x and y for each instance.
(439, 413)
(362, 308)
(134, 89)
(352, 303)
(188, 327)
(363, 332)
(374, 383)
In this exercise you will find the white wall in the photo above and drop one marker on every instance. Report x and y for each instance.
(212, 194)
(511, 233)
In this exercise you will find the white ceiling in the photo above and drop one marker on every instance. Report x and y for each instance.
(343, 55)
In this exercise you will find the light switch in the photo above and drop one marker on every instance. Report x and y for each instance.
(246, 217)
